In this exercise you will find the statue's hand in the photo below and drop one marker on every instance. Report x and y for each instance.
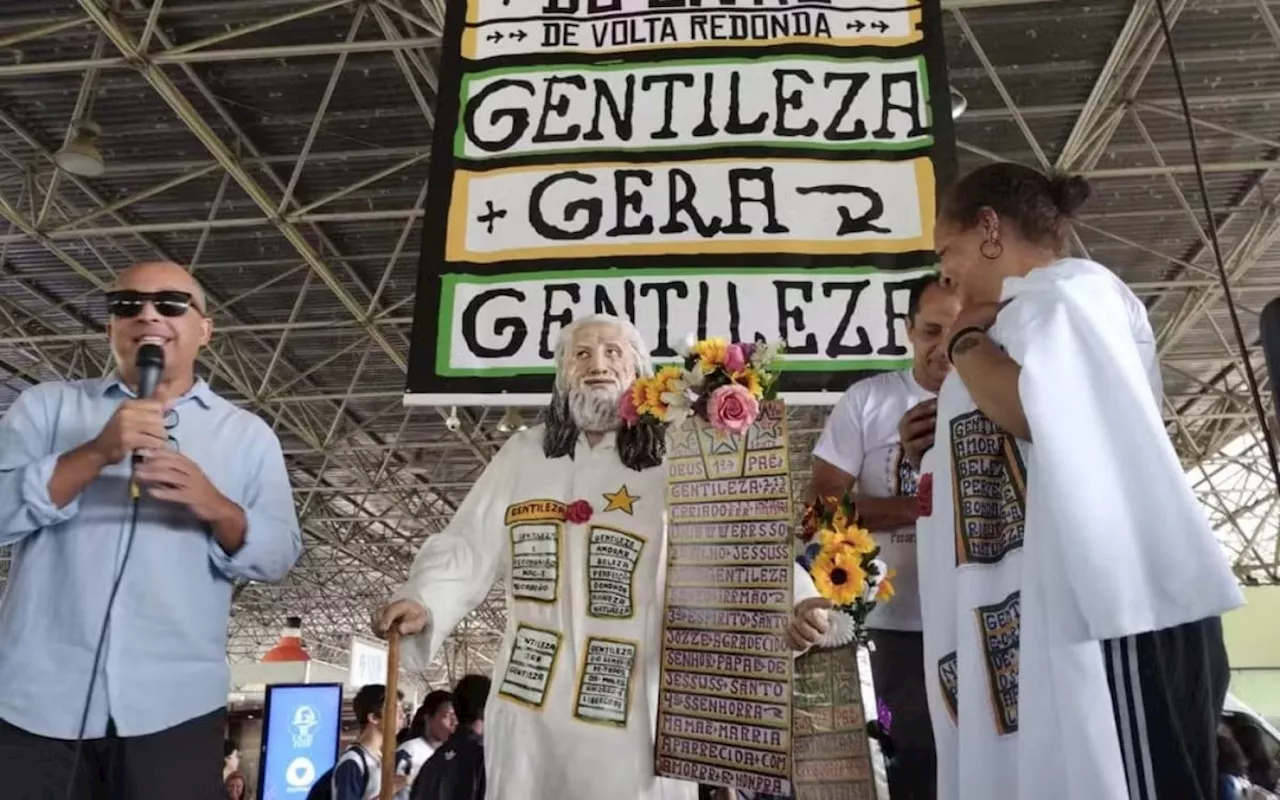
(409, 618)
(809, 623)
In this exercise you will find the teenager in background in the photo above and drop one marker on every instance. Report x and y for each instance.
(432, 725)
(358, 773)
(456, 770)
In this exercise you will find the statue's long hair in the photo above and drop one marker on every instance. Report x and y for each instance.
(640, 447)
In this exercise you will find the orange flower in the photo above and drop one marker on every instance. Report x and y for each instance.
(885, 593)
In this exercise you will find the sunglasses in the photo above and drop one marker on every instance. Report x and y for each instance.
(126, 303)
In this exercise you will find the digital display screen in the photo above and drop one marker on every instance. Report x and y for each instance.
(299, 738)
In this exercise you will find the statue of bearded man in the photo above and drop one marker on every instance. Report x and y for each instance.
(571, 515)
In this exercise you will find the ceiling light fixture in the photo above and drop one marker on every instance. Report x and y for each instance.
(512, 422)
(81, 156)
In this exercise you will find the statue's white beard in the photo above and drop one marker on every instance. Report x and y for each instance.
(595, 408)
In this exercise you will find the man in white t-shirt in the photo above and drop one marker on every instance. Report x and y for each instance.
(873, 441)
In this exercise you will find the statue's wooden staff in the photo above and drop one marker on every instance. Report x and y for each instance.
(390, 715)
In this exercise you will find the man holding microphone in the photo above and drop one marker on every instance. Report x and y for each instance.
(129, 518)
(872, 443)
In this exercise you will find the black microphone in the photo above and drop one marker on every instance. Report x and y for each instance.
(150, 366)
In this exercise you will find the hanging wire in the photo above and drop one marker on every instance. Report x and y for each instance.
(1250, 376)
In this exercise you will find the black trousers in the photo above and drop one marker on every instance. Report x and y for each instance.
(184, 761)
(1167, 692)
(897, 665)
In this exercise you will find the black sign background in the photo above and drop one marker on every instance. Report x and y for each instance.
(427, 386)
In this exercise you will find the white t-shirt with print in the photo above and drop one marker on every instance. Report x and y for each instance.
(410, 756)
(861, 439)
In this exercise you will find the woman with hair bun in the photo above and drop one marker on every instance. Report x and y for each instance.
(1071, 586)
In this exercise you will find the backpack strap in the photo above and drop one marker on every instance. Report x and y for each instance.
(364, 763)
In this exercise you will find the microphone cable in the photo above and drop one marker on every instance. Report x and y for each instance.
(1250, 376)
(149, 362)
(130, 533)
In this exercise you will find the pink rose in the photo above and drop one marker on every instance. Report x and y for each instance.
(578, 512)
(627, 407)
(732, 408)
(735, 358)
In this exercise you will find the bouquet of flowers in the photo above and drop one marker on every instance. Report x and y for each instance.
(720, 382)
(844, 561)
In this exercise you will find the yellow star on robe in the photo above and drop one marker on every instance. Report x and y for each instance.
(621, 500)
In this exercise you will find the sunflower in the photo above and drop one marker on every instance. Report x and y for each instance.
(859, 540)
(830, 539)
(649, 392)
(711, 353)
(839, 519)
(667, 377)
(751, 380)
(641, 390)
(838, 576)
(647, 396)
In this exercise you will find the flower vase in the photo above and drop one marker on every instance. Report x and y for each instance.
(836, 750)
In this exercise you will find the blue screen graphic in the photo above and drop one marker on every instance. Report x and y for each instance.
(301, 741)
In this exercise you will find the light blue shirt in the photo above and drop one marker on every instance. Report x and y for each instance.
(165, 660)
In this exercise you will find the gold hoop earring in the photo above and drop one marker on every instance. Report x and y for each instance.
(991, 249)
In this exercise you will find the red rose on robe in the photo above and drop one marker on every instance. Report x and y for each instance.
(924, 495)
(578, 512)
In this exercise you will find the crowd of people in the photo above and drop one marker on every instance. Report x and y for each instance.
(439, 756)
(1056, 633)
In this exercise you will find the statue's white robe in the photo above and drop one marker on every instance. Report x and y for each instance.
(575, 696)
(1035, 552)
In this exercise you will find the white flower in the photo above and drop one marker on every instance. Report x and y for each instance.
(679, 406)
(693, 378)
(764, 354)
(840, 629)
(674, 398)
(687, 386)
(686, 346)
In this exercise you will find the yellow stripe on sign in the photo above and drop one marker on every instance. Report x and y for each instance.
(492, 214)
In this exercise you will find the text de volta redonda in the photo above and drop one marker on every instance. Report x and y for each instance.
(499, 27)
